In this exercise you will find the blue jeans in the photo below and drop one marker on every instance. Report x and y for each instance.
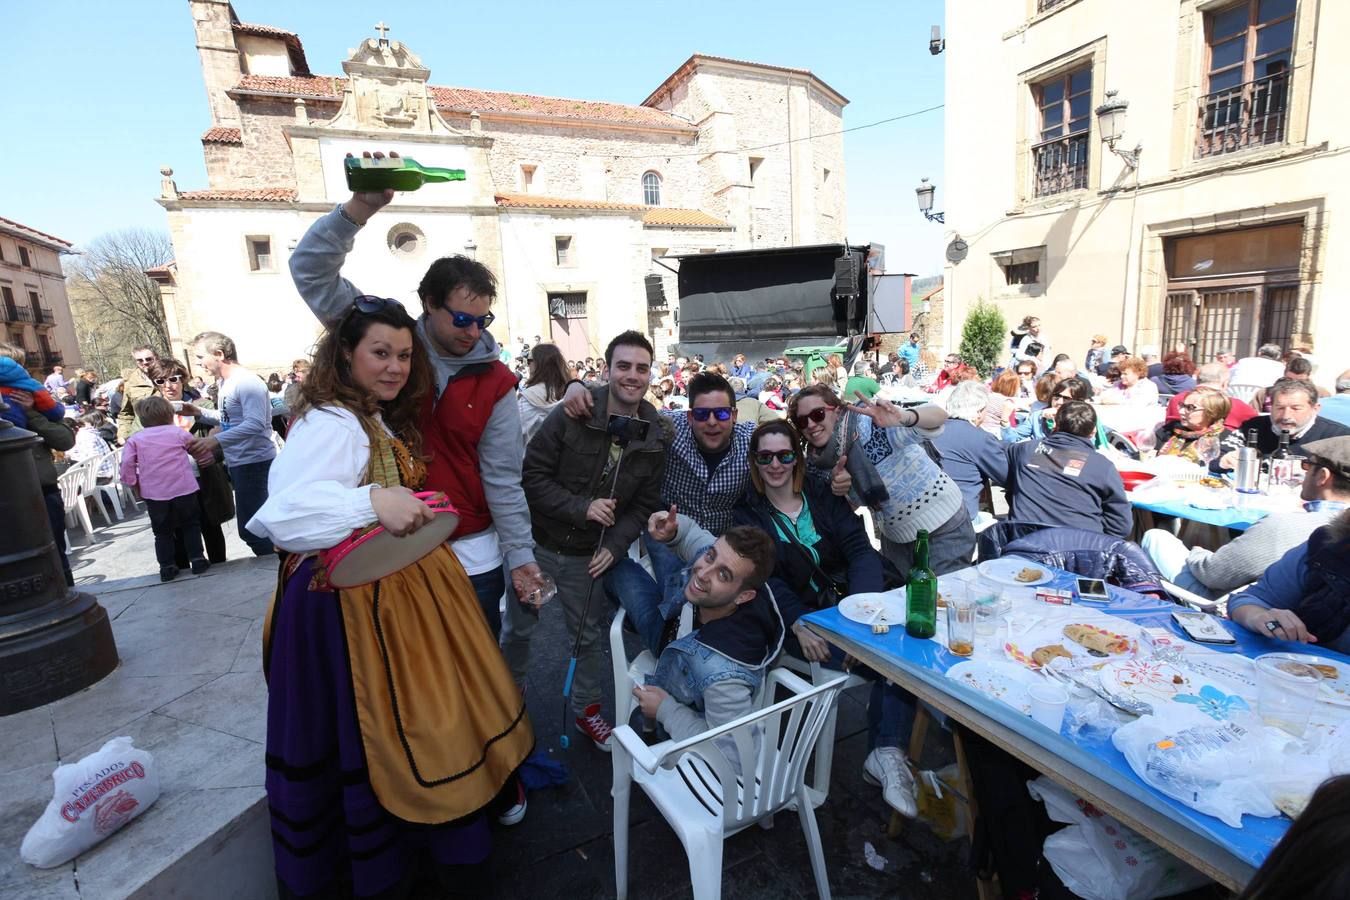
(489, 586)
(250, 493)
(629, 585)
(891, 710)
(664, 560)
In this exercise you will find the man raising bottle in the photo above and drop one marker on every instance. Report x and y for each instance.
(472, 427)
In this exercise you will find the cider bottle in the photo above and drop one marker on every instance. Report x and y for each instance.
(398, 172)
(921, 593)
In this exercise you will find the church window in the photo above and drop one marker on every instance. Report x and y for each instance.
(527, 179)
(259, 253)
(651, 189)
(755, 163)
(562, 250)
(23, 257)
(405, 240)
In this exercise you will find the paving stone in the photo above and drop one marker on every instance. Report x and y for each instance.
(26, 738)
(98, 712)
(228, 703)
(26, 792)
(178, 641)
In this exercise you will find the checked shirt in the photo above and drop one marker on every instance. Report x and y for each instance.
(707, 502)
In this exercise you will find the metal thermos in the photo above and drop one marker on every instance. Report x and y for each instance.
(1248, 474)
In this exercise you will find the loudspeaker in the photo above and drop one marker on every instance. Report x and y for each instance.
(846, 275)
(656, 290)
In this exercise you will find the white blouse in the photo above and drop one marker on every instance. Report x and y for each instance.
(315, 498)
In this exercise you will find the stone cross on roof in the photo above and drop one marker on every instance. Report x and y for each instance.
(383, 29)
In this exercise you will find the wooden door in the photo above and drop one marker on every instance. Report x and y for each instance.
(569, 326)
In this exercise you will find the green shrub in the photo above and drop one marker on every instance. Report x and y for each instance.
(984, 338)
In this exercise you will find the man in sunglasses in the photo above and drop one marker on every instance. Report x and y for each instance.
(471, 428)
(136, 386)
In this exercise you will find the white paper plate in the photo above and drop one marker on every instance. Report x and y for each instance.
(861, 608)
(1146, 681)
(1004, 681)
(1005, 570)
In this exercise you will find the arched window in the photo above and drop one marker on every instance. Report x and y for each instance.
(651, 189)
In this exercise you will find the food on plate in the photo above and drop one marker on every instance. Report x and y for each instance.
(1043, 655)
(881, 628)
(1097, 639)
(1177, 679)
(1292, 805)
(1028, 575)
(941, 600)
(1301, 670)
(1212, 482)
(1331, 673)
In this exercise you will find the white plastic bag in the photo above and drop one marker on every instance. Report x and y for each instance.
(1213, 766)
(1100, 859)
(93, 798)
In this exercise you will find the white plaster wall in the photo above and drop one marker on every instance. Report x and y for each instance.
(332, 152)
(263, 55)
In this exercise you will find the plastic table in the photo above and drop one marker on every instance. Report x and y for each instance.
(1092, 769)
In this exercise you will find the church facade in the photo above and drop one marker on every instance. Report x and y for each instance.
(576, 205)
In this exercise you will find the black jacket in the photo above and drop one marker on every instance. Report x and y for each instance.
(1268, 439)
(566, 467)
(1042, 488)
(847, 556)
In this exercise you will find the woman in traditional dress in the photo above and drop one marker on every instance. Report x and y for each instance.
(392, 720)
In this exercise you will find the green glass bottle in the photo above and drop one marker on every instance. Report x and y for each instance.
(921, 593)
(399, 173)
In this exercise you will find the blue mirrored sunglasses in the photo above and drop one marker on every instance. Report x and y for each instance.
(464, 320)
(701, 413)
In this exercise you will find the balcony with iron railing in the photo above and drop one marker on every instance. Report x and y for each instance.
(1043, 5)
(1061, 165)
(1250, 115)
(16, 313)
(45, 316)
(46, 358)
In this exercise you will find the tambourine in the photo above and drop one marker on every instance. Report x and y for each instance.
(371, 553)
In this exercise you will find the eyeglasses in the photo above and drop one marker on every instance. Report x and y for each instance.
(701, 413)
(464, 320)
(1308, 465)
(766, 457)
(370, 304)
(143, 360)
(1189, 408)
(171, 379)
(816, 415)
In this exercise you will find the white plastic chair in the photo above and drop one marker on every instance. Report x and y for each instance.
(1192, 599)
(71, 482)
(127, 494)
(819, 789)
(626, 673)
(96, 492)
(699, 793)
(1243, 392)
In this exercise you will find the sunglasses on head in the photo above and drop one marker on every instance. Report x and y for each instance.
(370, 304)
(701, 413)
(816, 415)
(171, 379)
(786, 457)
(464, 320)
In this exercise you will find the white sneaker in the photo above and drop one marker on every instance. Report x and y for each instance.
(886, 766)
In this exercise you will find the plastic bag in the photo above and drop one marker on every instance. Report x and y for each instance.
(940, 806)
(1213, 766)
(93, 798)
(1100, 859)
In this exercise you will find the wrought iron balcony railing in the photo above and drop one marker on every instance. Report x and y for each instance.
(1249, 115)
(1061, 165)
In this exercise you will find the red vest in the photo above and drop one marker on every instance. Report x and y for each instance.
(455, 424)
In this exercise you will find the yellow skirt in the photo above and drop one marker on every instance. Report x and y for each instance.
(442, 721)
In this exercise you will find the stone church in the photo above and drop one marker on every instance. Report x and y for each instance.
(578, 206)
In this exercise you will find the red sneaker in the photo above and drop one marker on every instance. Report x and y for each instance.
(594, 726)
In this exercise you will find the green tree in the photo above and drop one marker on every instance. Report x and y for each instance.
(984, 337)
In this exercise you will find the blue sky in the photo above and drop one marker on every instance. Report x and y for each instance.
(115, 88)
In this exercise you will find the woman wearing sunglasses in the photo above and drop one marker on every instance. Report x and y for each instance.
(215, 497)
(1199, 435)
(392, 720)
(886, 451)
(823, 555)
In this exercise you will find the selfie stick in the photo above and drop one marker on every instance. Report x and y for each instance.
(565, 740)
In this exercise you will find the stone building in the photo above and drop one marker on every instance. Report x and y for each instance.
(1207, 218)
(34, 308)
(572, 203)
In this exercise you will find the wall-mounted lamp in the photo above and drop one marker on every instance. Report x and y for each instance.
(935, 43)
(925, 193)
(1111, 126)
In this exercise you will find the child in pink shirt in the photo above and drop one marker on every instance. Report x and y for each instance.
(155, 461)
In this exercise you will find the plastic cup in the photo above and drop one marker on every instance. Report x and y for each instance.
(961, 624)
(547, 590)
(1286, 691)
(1047, 704)
(177, 405)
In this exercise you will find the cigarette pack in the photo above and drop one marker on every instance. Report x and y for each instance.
(1057, 597)
(1158, 638)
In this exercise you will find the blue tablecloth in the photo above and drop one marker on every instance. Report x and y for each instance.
(1237, 519)
(928, 660)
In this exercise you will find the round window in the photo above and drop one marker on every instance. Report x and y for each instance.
(406, 240)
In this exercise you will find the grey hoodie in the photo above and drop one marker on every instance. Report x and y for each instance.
(316, 268)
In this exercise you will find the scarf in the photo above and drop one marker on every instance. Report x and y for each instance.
(1184, 443)
(843, 441)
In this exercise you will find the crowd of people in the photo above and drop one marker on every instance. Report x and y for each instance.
(397, 723)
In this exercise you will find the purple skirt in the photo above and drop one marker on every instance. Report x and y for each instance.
(329, 832)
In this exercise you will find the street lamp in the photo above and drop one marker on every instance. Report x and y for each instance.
(1111, 126)
(925, 193)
